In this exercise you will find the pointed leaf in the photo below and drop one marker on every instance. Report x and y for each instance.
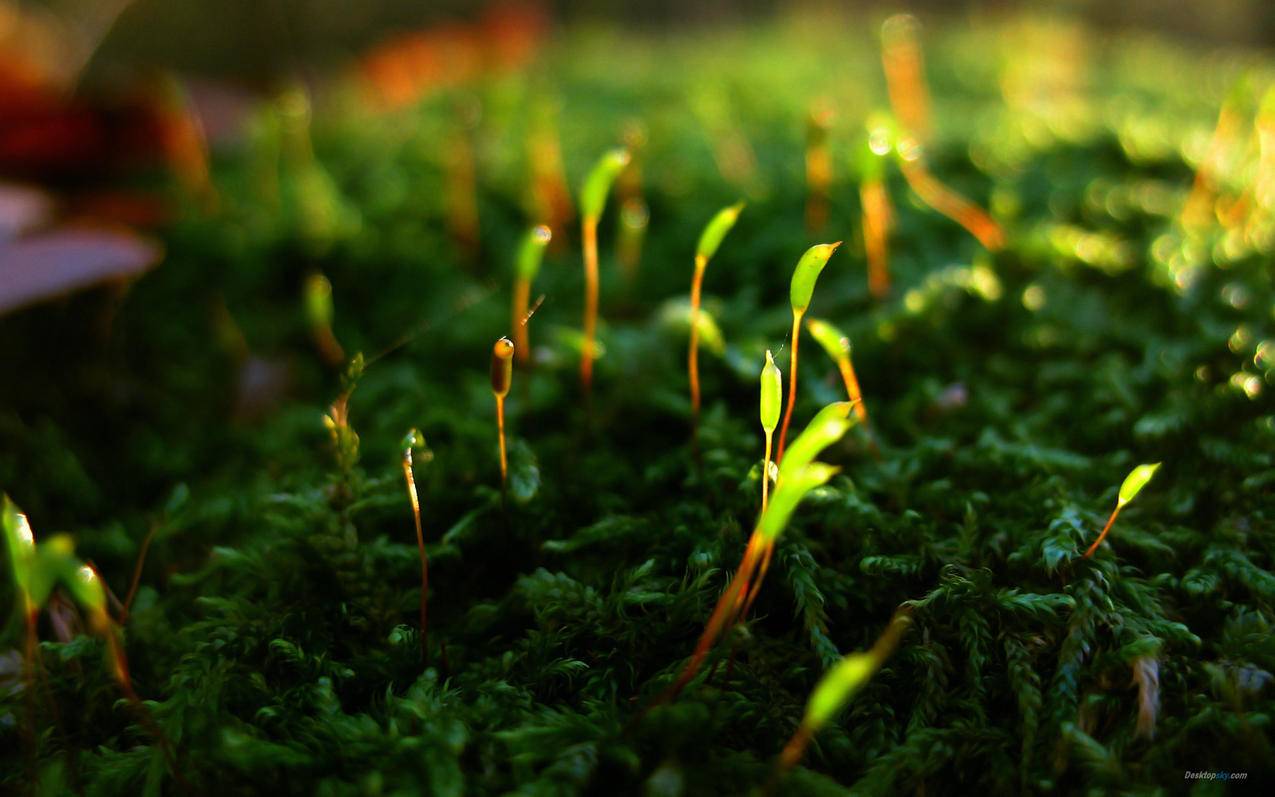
(1135, 481)
(593, 196)
(716, 230)
(803, 277)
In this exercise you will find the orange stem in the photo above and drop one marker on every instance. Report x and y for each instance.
(692, 358)
(1111, 520)
(756, 585)
(876, 224)
(951, 204)
(792, 385)
(590, 232)
(137, 572)
(500, 427)
(723, 613)
(420, 547)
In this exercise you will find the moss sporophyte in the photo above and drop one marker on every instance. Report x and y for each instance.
(839, 685)
(798, 475)
(801, 291)
(709, 241)
(772, 388)
(526, 267)
(37, 571)
(593, 198)
(502, 375)
(411, 441)
(1129, 489)
(837, 345)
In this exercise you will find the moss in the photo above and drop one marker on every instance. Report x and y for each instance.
(275, 629)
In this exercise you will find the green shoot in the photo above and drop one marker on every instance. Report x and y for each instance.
(502, 376)
(413, 440)
(835, 342)
(37, 571)
(772, 389)
(593, 197)
(319, 313)
(1129, 489)
(801, 291)
(796, 480)
(530, 254)
(709, 240)
(839, 685)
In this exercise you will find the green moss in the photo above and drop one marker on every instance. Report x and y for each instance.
(275, 626)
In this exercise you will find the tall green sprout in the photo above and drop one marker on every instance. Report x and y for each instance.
(527, 264)
(1129, 489)
(709, 241)
(593, 198)
(798, 475)
(801, 291)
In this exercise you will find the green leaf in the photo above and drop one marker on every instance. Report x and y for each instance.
(593, 196)
(84, 585)
(772, 391)
(826, 428)
(1135, 481)
(807, 271)
(716, 230)
(532, 251)
(789, 492)
(850, 675)
(833, 340)
(19, 542)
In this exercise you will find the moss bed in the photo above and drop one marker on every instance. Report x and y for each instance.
(274, 635)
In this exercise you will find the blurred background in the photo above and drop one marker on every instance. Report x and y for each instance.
(256, 41)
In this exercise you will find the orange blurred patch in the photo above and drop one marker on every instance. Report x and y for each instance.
(405, 68)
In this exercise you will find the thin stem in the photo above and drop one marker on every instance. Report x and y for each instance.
(765, 473)
(756, 585)
(119, 661)
(137, 572)
(590, 233)
(500, 428)
(692, 357)
(792, 384)
(420, 547)
(723, 614)
(876, 221)
(953, 205)
(29, 734)
(1111, 520)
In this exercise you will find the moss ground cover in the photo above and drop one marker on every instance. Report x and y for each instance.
(274, 636)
